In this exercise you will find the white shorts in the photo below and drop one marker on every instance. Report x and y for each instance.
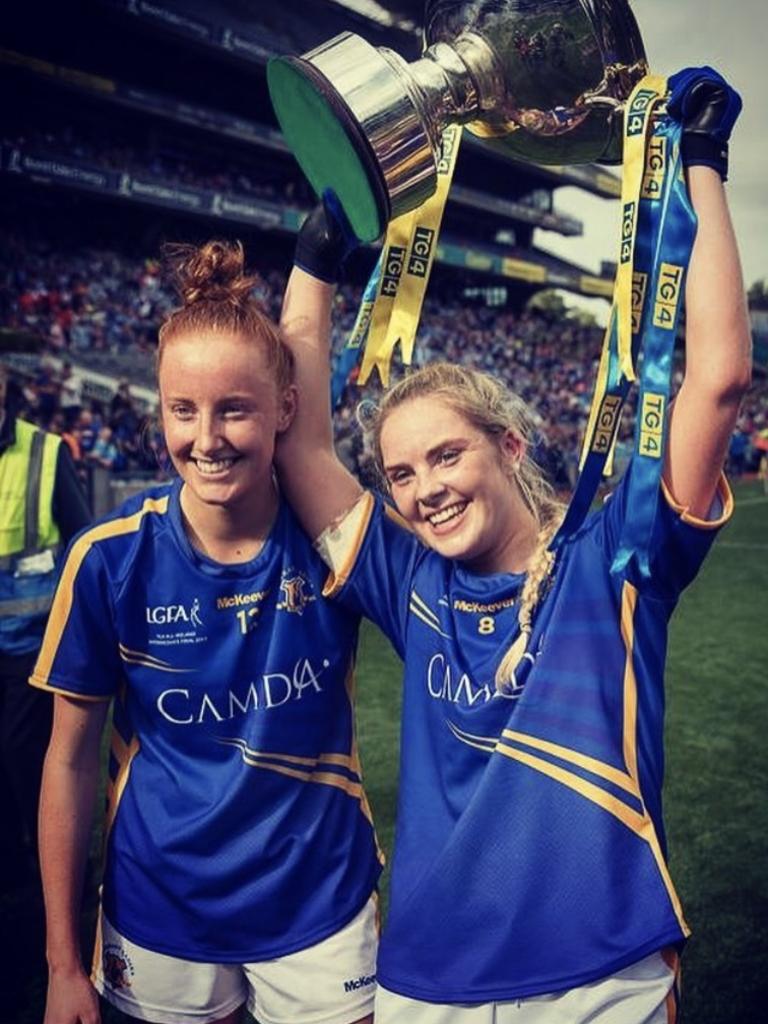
(332, 982)
(643, 993)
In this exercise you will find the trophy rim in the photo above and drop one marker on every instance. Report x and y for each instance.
(360, 156)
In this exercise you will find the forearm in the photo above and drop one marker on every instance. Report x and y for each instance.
(718, 339)
(305, 323)
(717, 351)
(67, 799)
(316, 483)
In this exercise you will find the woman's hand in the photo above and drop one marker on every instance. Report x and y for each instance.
(325, 240)
(71, 999)
(707, 107)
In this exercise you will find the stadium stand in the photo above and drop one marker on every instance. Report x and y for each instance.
(139, 122)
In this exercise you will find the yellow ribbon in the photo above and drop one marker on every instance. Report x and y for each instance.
(637, 127)
(409, 252)
(601, 386)
(642, 177)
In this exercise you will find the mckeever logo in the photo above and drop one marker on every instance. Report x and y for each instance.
(362, 982)
(483, 607)
(241, 600)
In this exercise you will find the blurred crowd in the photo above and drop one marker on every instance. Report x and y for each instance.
(162, 158)
(116, 434)
(89, 301)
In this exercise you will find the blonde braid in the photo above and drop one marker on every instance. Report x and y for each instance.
(539, 571)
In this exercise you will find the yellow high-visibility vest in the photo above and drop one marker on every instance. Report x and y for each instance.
(27, 479)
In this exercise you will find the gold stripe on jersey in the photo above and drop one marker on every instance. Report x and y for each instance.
(640, 823)
(303, 768)
(62, 602)
(258, 760)
(148, 660)
(629, 731)
(97, 950)
(421, 610)
(341, 760)
(486, 743)
(116, 788)
(350, 685)
(590, 764)
(118, 747)
(340, 543)
(723, 492)
(42, 684)
(628, 605)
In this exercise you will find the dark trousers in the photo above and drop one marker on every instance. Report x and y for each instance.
(25, 729)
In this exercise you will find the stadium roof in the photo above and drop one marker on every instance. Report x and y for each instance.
(389, 14)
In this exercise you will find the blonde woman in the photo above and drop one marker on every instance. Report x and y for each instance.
(529, 880)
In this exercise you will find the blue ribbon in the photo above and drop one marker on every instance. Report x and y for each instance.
(663, 304)
(666, 228)
(617, 386)
(600, 443)
(350, 355)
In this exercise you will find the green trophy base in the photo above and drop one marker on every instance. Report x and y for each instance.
(328, 145)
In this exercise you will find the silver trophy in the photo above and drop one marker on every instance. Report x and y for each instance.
(546, 79)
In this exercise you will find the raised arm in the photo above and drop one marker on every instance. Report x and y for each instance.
(718, 356)
(316, 482)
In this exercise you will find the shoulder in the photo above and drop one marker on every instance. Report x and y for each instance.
(117, 533)
(370, 536)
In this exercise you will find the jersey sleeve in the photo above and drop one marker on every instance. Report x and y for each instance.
(679, 542)
(372, 556)
(79, 656)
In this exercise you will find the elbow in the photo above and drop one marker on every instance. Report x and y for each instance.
(724, 377)
(739, 382)
(730, 394)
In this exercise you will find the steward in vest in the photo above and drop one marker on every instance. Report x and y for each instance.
(42, 506)
(30, 541)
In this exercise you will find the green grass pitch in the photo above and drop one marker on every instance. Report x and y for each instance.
(716, 792)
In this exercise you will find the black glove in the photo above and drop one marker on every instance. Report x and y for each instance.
(707, 107)
(325, 240)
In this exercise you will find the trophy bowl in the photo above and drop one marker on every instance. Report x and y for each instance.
(545, 79)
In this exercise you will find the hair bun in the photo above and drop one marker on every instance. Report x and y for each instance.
(214, 272)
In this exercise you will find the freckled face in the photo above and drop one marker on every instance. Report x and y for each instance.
(450, 481)
(221, 413)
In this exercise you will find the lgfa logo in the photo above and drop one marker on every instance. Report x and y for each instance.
(166, 614)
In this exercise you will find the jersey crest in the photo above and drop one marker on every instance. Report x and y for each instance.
(117, 967)
(297, 593)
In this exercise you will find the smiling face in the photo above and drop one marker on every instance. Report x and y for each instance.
(221, 410)
(455, 485)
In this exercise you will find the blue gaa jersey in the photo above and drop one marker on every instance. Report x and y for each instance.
(530, 855)
(238, 828)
